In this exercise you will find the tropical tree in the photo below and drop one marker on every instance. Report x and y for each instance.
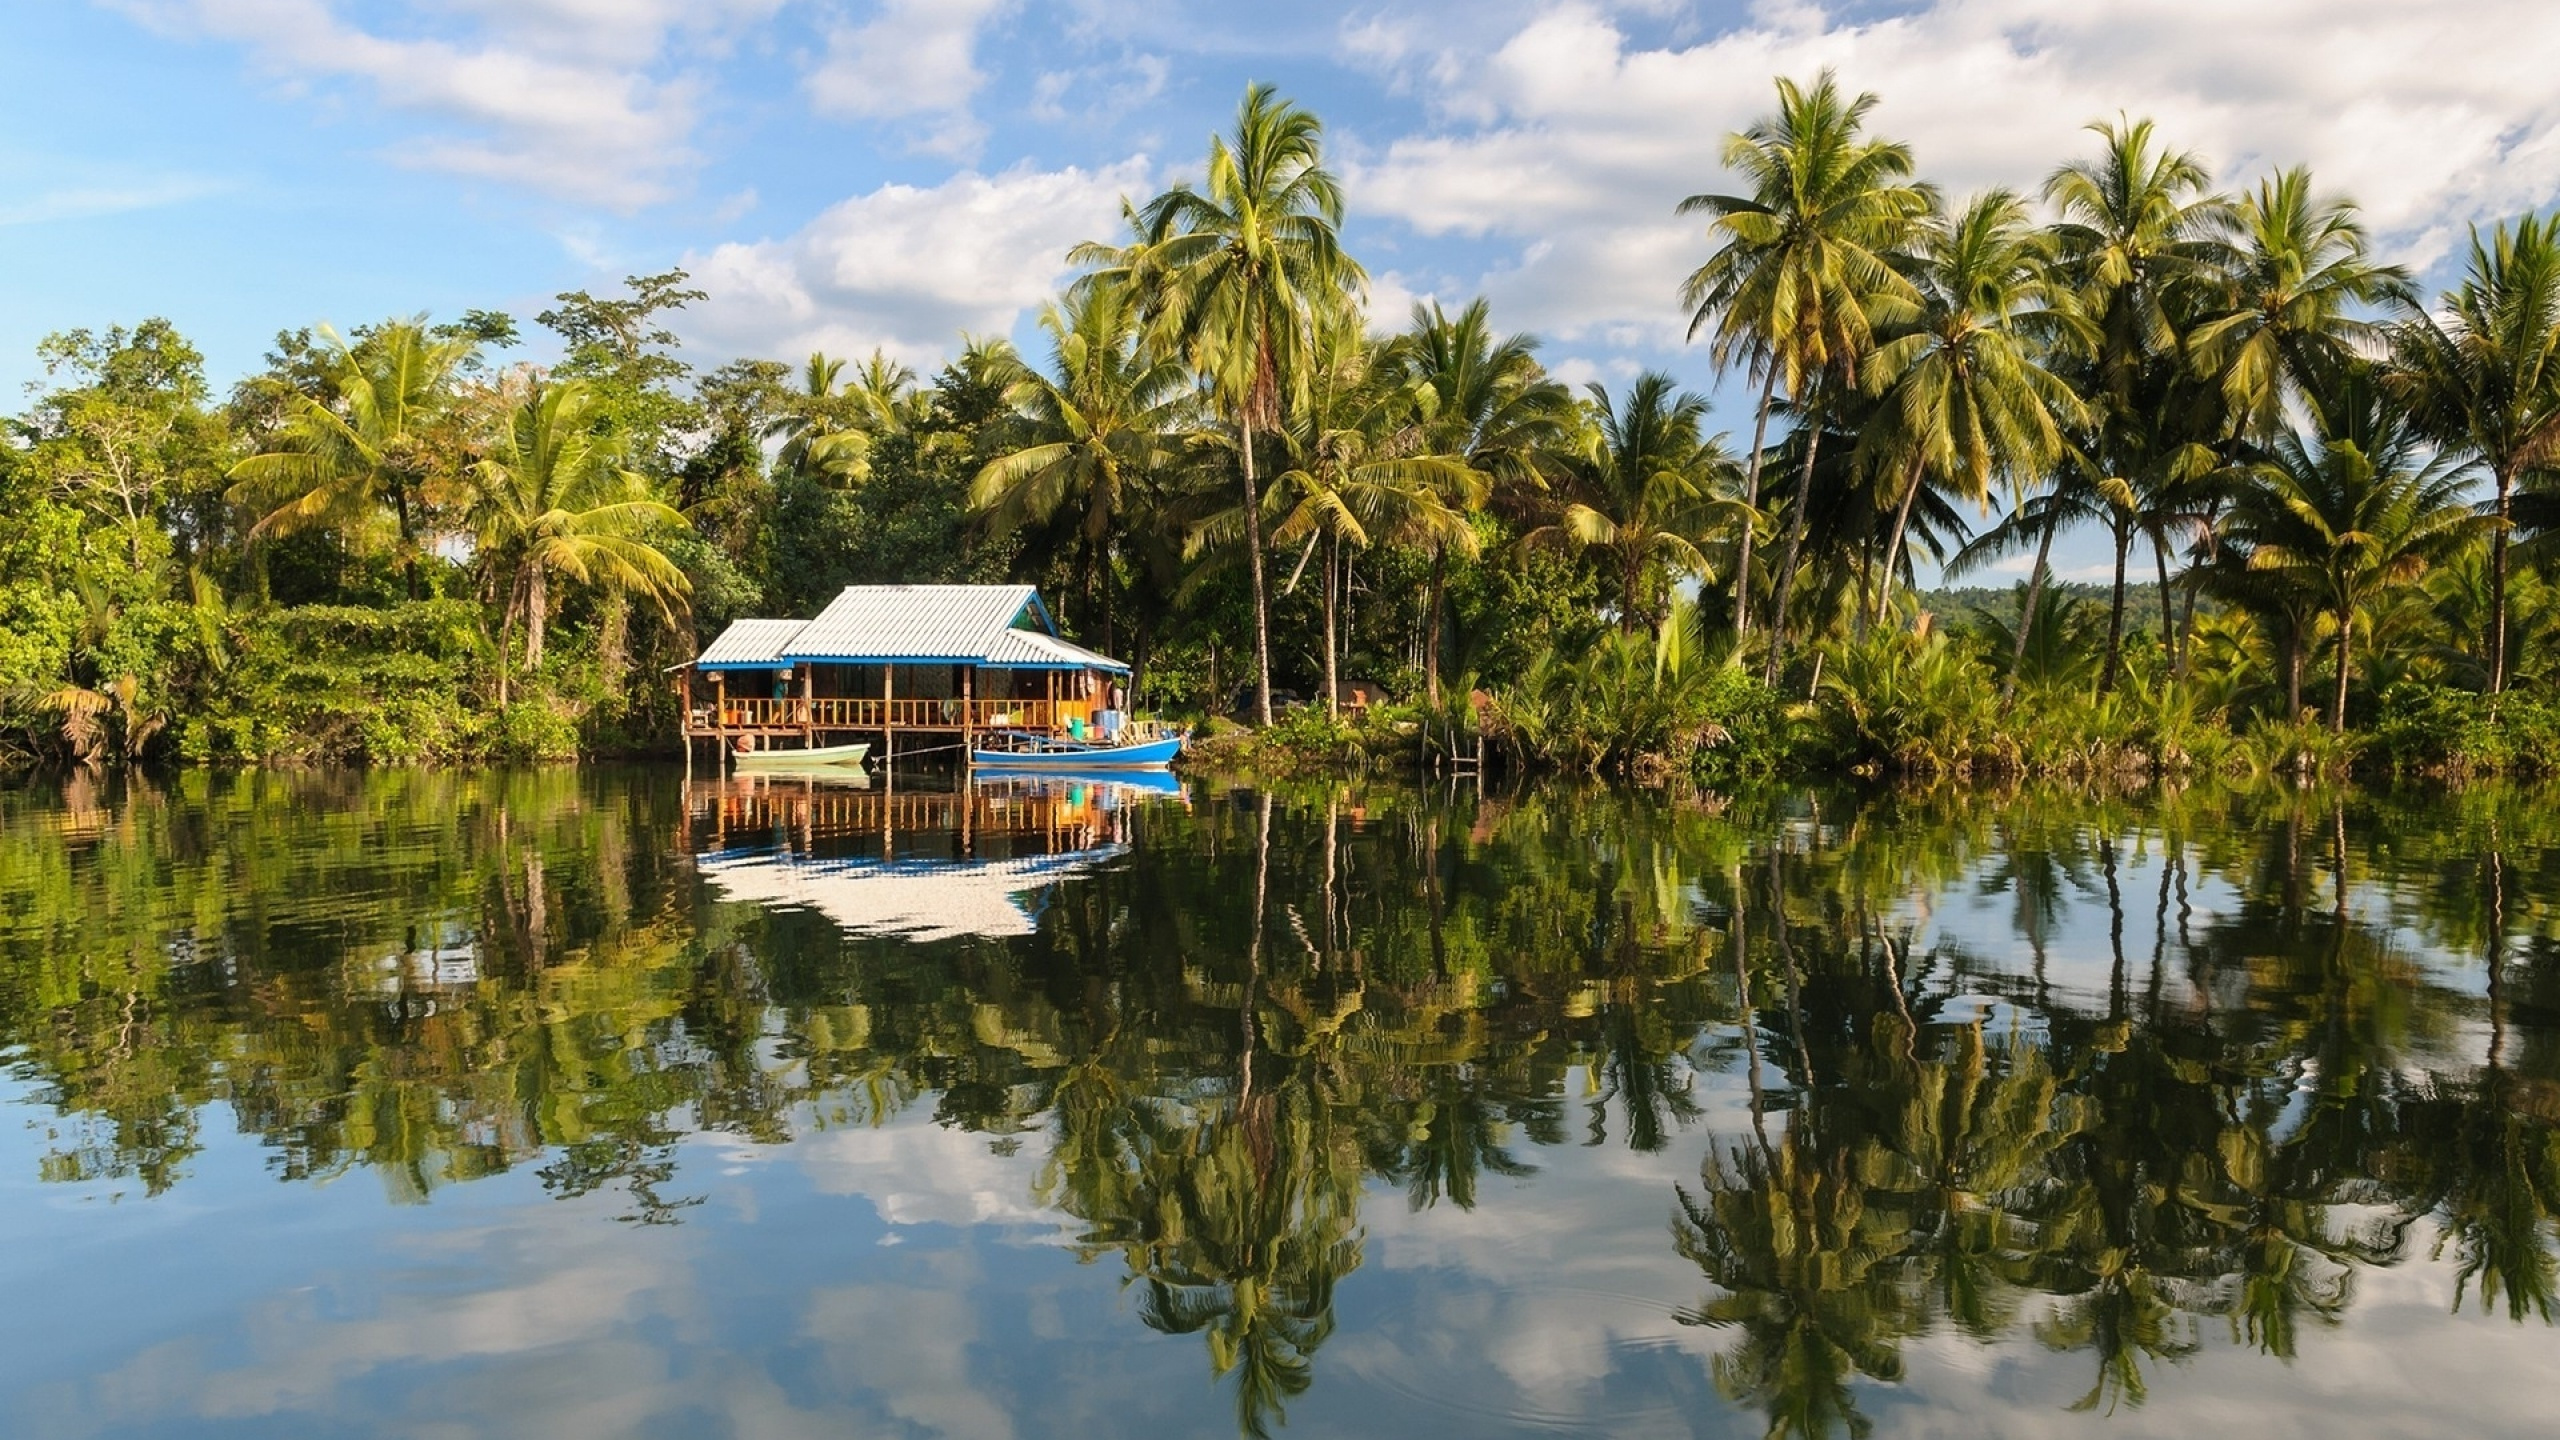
(1801, 257)
(338, 462)
(2286, 612)
(2296, 286)
(553, 497)
(1237, 275)
(1966, 396)
(1640, 490)
(1485, 397)
(1355, 476)
(2368, 504)
(819, 439)
(2137, 243)
(886, 395)
(2483, 372)
(1089, 439)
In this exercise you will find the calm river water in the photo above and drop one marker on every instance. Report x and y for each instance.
(597, 1104)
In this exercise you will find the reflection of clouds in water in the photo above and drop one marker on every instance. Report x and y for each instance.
(910, 1345)
(1530, 1304)
(499, 1300)
(915, 1173)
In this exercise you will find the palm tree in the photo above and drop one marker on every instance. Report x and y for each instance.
(1355, 477)
(553, 496)
(1237, 276)
(819, 439)
(2484, 376)
(2287, 318)
(887, 397)
(1484, 397)
(1800, 259)
(2074, 492)
(2343, 515)
(1965, 392)
(2285, 610)
(338, 465)
(2137, 242)
(1089, 437)
(1641, 490)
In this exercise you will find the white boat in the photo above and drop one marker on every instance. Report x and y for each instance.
(807, 758)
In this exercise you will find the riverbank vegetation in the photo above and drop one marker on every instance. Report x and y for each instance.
(1222, 463)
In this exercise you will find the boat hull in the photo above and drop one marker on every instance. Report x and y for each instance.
(1127, 779)
(817, 757)
(1066, 760)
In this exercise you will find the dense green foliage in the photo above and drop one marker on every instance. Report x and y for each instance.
(1229, 471)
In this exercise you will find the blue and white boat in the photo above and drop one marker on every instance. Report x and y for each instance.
(1030, 752)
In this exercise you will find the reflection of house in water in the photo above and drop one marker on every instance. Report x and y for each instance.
(914, 864)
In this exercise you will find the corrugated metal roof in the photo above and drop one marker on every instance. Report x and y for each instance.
(747, 644)
(908, 625)
(1031, 650)
(953, 624)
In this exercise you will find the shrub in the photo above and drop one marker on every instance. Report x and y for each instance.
(2437, 729)
(532, 730)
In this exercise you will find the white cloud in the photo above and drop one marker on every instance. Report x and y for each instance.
(83, 202)
(1574, 142)
(569, 96)
(908, 268)
(1099, 91)
(916, 60)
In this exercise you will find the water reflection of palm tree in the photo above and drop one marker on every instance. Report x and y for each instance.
(2125, 1241)
(1959, 1137)
(2496, 1166)
(2497, 1182)
(1808, 1279)
(1440, 1142)
(1263, 1216)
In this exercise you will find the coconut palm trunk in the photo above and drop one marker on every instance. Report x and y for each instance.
(537, 611)
(1431, 625)
(1893, 546)
(2346, 655)
(2168, 609)
(2498, 585)
(408, 538)
(1751, 497)
(1795, 550)
(2115, 613)
(2027, 617)
(1332, 602)
(1253, 562)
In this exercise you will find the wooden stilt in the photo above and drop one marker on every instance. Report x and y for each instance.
(720, 717)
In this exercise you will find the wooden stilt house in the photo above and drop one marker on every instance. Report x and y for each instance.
(907, 667)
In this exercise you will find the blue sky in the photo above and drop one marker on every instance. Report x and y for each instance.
(850, 173)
